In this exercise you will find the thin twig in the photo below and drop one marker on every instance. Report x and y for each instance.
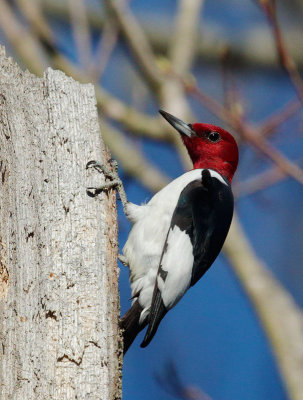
(270, 10)
(274, 121)
(259, 182)
(232, 101)
(259, 142)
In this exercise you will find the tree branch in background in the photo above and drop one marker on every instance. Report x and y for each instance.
(137, 42)
(258, 182)
(21, 40)
(234, 105)
(249, 133)
(81, 32)
(181, 55)
(274, 121)
(33, 13)
(281, 318)
(183, 45)
(260, 143)
(231, 96)
(105, 48)
(269, 8)
(139, 124)
(252, 50)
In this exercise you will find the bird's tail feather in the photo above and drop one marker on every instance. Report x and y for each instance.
(130, 326)
(156, 314)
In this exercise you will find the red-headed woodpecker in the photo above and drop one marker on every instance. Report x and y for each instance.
(178, 234)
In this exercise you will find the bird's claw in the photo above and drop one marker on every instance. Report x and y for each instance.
(103, 169)
(115, 181)
(93, 192)
(91, 164)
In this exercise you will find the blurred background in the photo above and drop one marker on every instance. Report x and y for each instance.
(238, 334)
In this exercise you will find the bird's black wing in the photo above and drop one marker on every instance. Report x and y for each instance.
(211, 219)
(196, 235)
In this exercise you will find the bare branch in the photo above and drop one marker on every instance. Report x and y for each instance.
(81, 31)
(138, 123)
(181, 54)
(274, 121)
(184, 40)
(259, 142)
(280, 316)
(21, 39)
(253, 50)
(259, 182)
(211, 104)
(137, 42)
(33, 13)
(104, 49)
(286, 60)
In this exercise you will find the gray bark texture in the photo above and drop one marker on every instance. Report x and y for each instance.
(59, 302)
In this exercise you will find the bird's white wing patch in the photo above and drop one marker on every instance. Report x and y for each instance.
(177, 262)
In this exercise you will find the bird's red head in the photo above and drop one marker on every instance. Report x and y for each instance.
(208, 146)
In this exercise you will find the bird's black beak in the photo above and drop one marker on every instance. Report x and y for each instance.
(178, 124)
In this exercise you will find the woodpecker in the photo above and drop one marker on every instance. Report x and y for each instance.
(179, 233)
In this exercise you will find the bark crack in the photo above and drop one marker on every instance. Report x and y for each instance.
(4, 274)
(66, 357)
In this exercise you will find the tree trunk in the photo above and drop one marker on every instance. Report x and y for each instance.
(59, 303)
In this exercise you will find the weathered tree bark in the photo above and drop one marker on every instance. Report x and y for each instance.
(59, 303)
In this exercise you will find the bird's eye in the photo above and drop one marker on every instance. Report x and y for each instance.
(214, 137)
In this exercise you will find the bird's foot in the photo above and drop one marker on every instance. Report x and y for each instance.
(112, 175)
